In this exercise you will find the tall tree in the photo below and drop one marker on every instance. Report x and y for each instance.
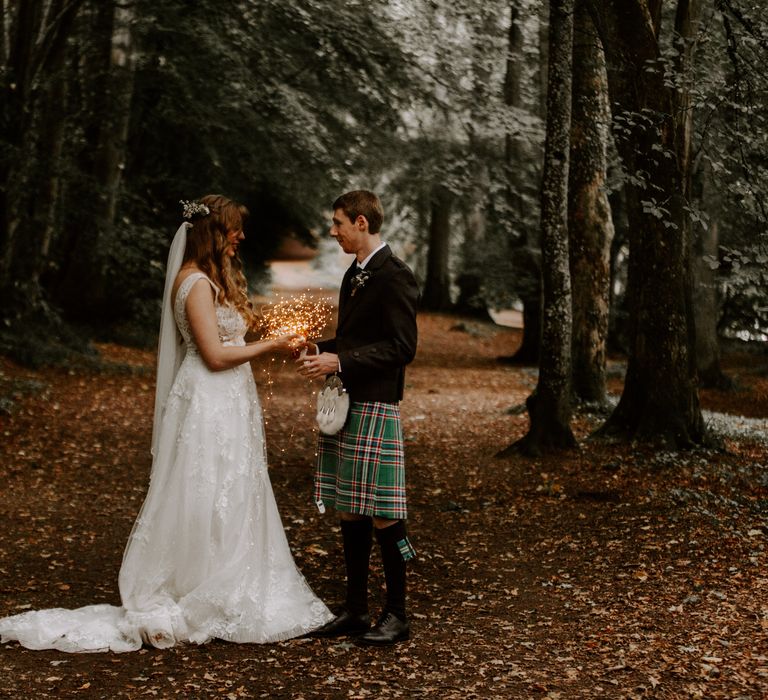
(37, 34)
(733, 104)
(705, 233)
(83, 290)
(436, 295)
(549, 406)
(706, 302)
(590, 225)
(112, 112)
(526, 255)
(481, 129)
(660, 401)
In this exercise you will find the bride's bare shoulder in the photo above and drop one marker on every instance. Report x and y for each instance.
(183, 273)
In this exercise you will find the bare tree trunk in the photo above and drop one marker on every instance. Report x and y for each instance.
(618, 305)
(114, 140)
(660, 401)
(437, 287)
(474, 249)
(17, 88)
(703, 278)
(544, 11)
(706, 303)
(526, 261)
(36, 43)
(3, 32)
(471, 301)
(32, 127)
(84, 288)
(590, 225)
(52, 143)
(525, 257)
(549, 406)
(513, 94)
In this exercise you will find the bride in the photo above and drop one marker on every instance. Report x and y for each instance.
(208, 556)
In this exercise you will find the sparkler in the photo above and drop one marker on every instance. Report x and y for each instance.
(299, 314)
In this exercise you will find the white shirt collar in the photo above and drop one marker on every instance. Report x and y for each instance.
(368, 259)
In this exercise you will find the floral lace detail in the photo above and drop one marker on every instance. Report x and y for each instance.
(232, 326)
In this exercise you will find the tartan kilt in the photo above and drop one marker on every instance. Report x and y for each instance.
(361, 469)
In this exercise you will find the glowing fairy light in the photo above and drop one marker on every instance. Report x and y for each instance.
(306, 317)
(299, 314)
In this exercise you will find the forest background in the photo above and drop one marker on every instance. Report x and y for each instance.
(600, 165)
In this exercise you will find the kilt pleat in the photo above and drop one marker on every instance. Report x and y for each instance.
(361, 469)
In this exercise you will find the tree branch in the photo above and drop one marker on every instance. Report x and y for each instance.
(744, 21)
(733, 55)
(54, 37)
(3, 47)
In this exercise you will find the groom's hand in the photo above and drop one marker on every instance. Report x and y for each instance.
(306, 347)
(318, 366)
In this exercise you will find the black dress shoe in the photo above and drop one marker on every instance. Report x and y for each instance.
(389, 629)
(345, 623)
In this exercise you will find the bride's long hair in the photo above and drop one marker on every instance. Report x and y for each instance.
(207, 245)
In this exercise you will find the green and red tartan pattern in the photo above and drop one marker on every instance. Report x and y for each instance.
(361, 469)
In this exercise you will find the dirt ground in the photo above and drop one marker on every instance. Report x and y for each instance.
(606, 572)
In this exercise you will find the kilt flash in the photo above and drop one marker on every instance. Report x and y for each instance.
(361, 469)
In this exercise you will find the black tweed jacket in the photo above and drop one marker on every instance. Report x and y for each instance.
(376, 333)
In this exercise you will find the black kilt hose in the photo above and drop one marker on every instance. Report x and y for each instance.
(361, 469)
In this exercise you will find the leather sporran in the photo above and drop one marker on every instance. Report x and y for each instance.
(332, 406)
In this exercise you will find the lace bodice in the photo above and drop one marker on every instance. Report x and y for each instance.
(232, 326)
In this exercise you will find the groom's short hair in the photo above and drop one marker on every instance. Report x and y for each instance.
(365, 203)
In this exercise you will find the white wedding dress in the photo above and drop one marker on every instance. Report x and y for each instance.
(208, 556)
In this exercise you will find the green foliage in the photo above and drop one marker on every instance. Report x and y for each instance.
(732, 113)
(456, 137)
(283, 105)
(729, 98)
(744, 279)
(280, 105)
(263, 96)
(136, 274)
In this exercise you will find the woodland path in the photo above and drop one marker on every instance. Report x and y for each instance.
(609, 572)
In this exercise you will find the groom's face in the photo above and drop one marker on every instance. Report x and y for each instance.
(350, 235)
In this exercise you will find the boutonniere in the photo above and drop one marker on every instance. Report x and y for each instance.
(359, 279)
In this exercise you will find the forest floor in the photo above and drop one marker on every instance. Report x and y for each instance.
(605, 572)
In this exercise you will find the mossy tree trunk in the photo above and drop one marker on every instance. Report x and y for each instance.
(590, 225)
(660, 402)
(549, 406)
(526, 254)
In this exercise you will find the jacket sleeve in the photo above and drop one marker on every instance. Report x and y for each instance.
(398, 321)
(326, 345)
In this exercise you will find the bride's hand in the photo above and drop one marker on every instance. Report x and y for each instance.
(288, 343)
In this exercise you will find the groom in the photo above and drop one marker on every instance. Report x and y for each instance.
(361, 469)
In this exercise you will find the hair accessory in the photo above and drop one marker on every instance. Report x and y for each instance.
(190, 209)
